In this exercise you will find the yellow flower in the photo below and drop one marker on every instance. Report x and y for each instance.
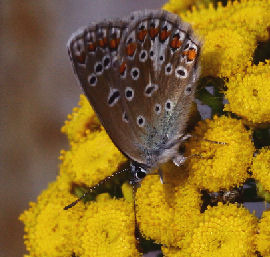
(107, 229)
(91, 159)
(172, 252)
(50, 230)
(217, 166)
(226, 231)
(127, 191)
(165, 212)
(261, 167)
(177, 6)
(263, 238)
(155, 211)
(82, 120)
(187, 213)
(248, 93)
(229, 34)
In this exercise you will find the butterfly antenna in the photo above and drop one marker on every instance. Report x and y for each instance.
(91, 189)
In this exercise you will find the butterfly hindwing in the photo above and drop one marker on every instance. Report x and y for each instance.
(160, 53)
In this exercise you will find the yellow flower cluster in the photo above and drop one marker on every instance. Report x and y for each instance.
(91, 159)
(261, 168)
(51, 231)
(169, 211)
(101, 228)
(263, 237)
(225, 231)
(248, 94)
(81, 122)
(221, 151)
(229, 33)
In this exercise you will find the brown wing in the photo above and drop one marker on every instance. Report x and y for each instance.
(93, 51)
(160, 55)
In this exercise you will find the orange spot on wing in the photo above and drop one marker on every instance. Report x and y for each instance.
(130, 49)
(191, 54)
(164, 35)
(92, 46)
(175, 43)
(102, 42)
(153, 32)
(141, 35)
(81, 58)
(114, 43)
(122, 68)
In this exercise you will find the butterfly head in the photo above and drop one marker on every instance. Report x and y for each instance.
(138, 171)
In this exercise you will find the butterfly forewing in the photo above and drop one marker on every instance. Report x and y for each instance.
(93, 51)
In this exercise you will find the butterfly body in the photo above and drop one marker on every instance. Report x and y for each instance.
(139, 74)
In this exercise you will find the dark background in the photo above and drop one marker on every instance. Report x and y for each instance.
(38, 90)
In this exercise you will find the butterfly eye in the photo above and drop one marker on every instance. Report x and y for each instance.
(140, 174)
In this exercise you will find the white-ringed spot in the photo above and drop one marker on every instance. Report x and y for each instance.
(106, 60)
(114, 96)
(168, 105)
(143, 56)
(98, 68)
(140, 121)
(168, 69)
(150, 89)
(181, 72)
(92, 79)
(157, 109)
(135, 73)
(188, 89)
(125, 117)
(129, 93)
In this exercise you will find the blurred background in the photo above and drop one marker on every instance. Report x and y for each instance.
(38, 90)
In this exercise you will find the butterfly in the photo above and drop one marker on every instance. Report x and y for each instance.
(139, 74)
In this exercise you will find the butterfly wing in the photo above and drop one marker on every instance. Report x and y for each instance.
(160, 54)
(93, 51)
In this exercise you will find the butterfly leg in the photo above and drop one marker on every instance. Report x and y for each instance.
(179, 160)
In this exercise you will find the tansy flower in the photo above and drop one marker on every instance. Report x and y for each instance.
(51, 231)
(220, 152)
(229, 34)
(155, 212)
(179, 6)
(186, 211)
(226, 231)
(82, 120)
(91, 159)
(263, 237)
(248, 93)
(261, 168)
(107, 229)
(166, 212)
